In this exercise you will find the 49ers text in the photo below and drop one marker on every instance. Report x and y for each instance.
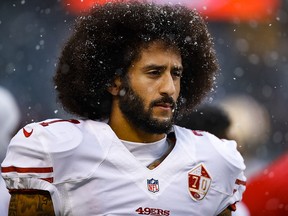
(152, 211)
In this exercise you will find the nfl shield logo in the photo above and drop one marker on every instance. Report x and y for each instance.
(153, 185)
(199, 182)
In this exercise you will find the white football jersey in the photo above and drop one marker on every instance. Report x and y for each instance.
(88, 171)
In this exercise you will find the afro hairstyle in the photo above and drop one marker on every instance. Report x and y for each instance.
(109, 38)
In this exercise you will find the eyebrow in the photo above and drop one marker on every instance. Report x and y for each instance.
(161, 67)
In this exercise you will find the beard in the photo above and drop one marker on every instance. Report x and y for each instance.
(133, 108)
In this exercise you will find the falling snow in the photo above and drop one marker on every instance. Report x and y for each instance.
(252, 56)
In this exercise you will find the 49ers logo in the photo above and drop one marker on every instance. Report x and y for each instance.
(199, 182)
(152, 211)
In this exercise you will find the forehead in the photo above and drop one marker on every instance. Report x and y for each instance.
(158, 51)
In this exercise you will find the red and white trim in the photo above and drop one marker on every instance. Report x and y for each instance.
(44, 173)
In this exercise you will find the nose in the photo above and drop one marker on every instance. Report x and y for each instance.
(168, 85)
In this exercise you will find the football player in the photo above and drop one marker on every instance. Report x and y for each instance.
(127, 71)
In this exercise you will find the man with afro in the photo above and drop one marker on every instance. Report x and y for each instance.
(127, 72)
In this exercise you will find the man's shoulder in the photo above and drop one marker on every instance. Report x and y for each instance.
(219, 157)
(57, 135)
(202, 139)
(208, 147)
(59, 145)
(52, 126)
(49, 134)
(198, 138)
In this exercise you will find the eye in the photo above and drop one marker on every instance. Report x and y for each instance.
(177, 73)
(154, 72)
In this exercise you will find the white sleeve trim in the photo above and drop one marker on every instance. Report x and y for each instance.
(37, 184)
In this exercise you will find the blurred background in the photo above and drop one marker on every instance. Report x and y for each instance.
(250, 41)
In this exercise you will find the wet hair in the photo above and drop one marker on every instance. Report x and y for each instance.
(110, 37)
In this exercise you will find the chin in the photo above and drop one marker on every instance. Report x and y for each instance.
(164, 121)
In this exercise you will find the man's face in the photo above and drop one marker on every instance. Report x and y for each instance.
(149, 94)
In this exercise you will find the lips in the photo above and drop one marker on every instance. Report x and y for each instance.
(164, 105)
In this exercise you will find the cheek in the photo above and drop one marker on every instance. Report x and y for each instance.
(149, 90)
(178, 88)
(143, 88)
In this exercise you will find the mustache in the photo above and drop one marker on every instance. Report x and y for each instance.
(165, 99)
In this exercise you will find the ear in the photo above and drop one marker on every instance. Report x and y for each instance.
(114, 89)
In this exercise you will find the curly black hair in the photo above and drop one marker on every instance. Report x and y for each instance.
(110, 37)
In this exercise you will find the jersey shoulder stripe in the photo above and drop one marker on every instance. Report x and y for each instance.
(57, 150)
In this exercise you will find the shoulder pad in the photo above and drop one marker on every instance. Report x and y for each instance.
(54, 134)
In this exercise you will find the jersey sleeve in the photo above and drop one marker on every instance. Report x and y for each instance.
(30, 159)
(230, 172)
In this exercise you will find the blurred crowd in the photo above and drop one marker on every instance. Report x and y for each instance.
(251, 88)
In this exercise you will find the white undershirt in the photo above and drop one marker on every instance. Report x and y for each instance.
(146, 153)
